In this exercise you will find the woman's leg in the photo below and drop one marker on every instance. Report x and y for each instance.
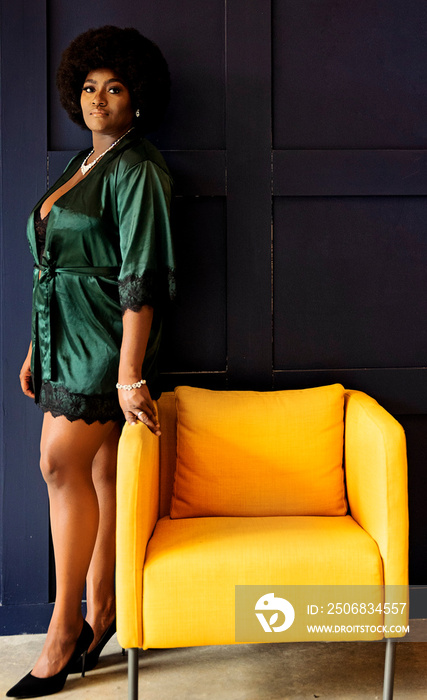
(68, 450)
(100, 594)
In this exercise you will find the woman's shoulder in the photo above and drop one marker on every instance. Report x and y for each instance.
(141, 152)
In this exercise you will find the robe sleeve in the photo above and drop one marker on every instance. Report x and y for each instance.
(147, 273)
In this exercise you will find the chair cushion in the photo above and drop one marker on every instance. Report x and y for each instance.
(192, 567)
(247, 453)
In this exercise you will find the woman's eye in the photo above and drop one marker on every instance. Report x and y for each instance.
(114, 90)
(88, 88)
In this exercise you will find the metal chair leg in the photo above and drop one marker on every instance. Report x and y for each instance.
(133, 674)
(390, 656)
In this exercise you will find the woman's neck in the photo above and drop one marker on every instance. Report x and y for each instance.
(101, 142)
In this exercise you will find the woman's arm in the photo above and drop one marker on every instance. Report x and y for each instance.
(25, 375)
(136, 329)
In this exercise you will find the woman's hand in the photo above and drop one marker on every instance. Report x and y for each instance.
(137, 405)
(25, 376)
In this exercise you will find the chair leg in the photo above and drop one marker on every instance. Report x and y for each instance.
(133, 674)
(390, 656)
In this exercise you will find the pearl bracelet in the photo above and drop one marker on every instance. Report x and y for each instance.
(129, 387)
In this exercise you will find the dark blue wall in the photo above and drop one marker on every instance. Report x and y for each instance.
(308, 116)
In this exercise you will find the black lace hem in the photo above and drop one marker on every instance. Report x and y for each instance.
(149, 289)
(58, 401)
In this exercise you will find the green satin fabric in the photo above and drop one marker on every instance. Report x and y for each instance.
(105, 238)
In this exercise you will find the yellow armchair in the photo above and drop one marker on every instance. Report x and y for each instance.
(248, 489)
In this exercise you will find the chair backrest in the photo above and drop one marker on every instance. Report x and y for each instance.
(167, 416)
(252, 453)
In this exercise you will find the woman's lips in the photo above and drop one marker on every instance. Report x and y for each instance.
(98, 113)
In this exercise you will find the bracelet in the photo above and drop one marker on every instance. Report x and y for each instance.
(129, 387)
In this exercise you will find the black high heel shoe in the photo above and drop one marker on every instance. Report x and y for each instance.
(92, 657)
(32, 687)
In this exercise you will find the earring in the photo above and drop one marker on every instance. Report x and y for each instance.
(137, 113)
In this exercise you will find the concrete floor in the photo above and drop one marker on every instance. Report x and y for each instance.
(328, 671)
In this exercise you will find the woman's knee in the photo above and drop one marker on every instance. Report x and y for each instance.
(62, 467)
(68, 449)
(54, 468)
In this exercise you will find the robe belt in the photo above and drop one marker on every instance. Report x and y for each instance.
(44, 289)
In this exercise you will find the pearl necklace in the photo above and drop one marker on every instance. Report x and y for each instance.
(85, 168)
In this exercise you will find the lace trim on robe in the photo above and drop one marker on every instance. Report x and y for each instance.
(40, 226)
(58, 401)
(149, 289)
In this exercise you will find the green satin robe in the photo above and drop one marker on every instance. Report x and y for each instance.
(108, 248)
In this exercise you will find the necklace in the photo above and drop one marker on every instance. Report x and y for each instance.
(85, 168)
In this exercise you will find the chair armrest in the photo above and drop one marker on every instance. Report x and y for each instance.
(137, 514)
(376, 476)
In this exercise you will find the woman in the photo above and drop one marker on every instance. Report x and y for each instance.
(104, 263)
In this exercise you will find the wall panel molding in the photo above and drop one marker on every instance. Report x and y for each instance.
(349, 172)
(248, 133)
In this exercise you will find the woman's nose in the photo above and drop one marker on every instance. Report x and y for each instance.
(98, 100)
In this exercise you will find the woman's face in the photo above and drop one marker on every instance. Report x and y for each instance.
(106, 103)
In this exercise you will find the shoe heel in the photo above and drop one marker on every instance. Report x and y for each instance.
(83, 663)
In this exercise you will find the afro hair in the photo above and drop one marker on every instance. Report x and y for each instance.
(135, 59)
